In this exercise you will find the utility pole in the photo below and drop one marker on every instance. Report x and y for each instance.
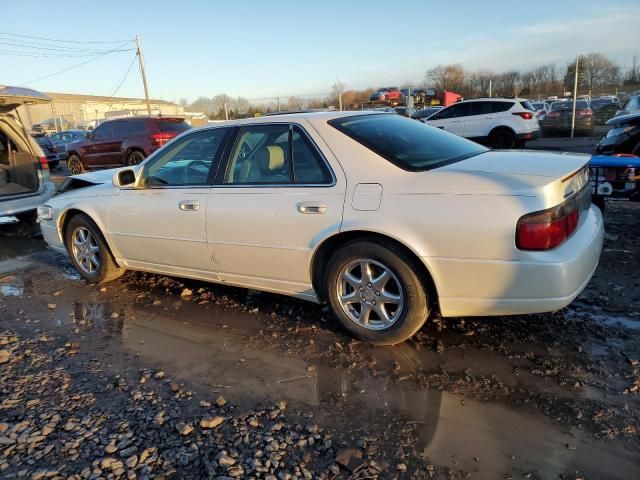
(490, 85)
(226, 111)
(278, 99)
(575, 97)
(144, 76)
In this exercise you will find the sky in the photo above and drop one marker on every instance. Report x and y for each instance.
(258, 49)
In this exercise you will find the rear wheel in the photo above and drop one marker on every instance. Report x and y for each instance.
(376, 292)
(75, 165)
(135, 158)
(89, 252)
(502, 138)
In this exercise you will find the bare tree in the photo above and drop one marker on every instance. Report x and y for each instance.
(447, 77)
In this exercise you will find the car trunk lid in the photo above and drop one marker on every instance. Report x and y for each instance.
(12, 97)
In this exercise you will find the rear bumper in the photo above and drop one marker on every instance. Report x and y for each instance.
(541, 282)
(528, 135)
(29, 202)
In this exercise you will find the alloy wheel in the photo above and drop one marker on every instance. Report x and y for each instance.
(85, 249)
(370, 294)
(74, 166)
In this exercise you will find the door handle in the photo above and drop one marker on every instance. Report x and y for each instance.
(311, 207)
(189, 205)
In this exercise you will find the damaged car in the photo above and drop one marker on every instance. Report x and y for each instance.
(386, 219)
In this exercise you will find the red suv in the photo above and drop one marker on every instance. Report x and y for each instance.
(122, 142)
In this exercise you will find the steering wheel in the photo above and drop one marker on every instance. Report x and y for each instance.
(191, 165)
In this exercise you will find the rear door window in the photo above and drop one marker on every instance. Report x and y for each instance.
(480, 108)
(455, 111)
(497, 107)
(137, 127)
(120, 129)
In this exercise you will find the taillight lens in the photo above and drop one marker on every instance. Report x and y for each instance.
(44, 164)
(553, 114)
(584, 113)
(547, 229)
(161, 138)
(525, 115)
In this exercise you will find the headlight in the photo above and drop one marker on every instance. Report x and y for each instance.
(45, 212)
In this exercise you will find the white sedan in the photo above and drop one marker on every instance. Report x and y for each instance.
(385, 218)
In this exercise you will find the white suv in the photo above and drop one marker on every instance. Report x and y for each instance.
(499, 122)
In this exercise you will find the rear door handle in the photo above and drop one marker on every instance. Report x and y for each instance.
(189, 205)
(311, 207)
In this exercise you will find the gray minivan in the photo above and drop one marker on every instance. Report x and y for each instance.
(24, 173)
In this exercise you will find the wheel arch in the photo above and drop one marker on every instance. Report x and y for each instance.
(329, 245)
(502, 127)
(66, 216)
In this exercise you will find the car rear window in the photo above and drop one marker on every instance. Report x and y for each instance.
(406, 143)
(172, 125)
(528, 105)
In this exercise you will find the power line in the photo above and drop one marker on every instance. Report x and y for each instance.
(20, 53)
(126, 74)
(70, 68)
(64, 41)
(59, 49)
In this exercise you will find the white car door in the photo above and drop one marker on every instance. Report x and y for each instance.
(160, 226)
(452, 119)
(478, 123)
(277, 197)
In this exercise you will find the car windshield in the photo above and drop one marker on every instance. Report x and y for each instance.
(409, 144)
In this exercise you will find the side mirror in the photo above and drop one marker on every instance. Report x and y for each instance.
(125, 178)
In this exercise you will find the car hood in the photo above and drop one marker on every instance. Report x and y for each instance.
(521, 162)
(13, 97)
(91, 179)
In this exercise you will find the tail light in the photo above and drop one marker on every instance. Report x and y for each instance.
(159, 139)
(44, 164)
(584, 113)
(553, 114)
(525, 115)
(546, 229)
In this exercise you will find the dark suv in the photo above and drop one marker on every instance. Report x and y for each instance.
(121, 142)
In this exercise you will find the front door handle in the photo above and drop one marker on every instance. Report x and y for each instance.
(189, 205)
(311, 207)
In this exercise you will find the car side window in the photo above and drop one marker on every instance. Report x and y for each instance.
(308, 164)
(260, 155)
(187, 161)
(137, 127)
(497, 107)
(480, 108)
(454, 111)
(103, 131)
(120, 129)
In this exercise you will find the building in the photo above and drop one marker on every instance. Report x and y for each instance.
(73, 111)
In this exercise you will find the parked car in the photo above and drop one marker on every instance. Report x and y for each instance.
(120, 142)
(62, 139)
(500, 122)
(405, 111)
(604, 108)
(631, 105)
(624, 136)
(559, 117)
(49, 149)
(541, 109)
(426, 113)
(24, 170)
(322, 206)
(386, 94)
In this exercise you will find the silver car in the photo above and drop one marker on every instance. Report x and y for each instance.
(24, 172)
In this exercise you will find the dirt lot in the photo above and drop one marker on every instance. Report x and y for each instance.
(155, 377)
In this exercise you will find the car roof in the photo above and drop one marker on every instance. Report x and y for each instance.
(493, 99)
(296, 117)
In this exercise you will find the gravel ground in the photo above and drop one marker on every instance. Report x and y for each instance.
(156, 377)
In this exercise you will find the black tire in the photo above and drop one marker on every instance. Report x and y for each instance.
(134, 158)
(74, 165)
(502, 138)
(107, 270)
(27, 217)
(415, 309)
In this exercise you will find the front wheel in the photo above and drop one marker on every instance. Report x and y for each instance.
(89, 252)
(376, 292)
(75, 165)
